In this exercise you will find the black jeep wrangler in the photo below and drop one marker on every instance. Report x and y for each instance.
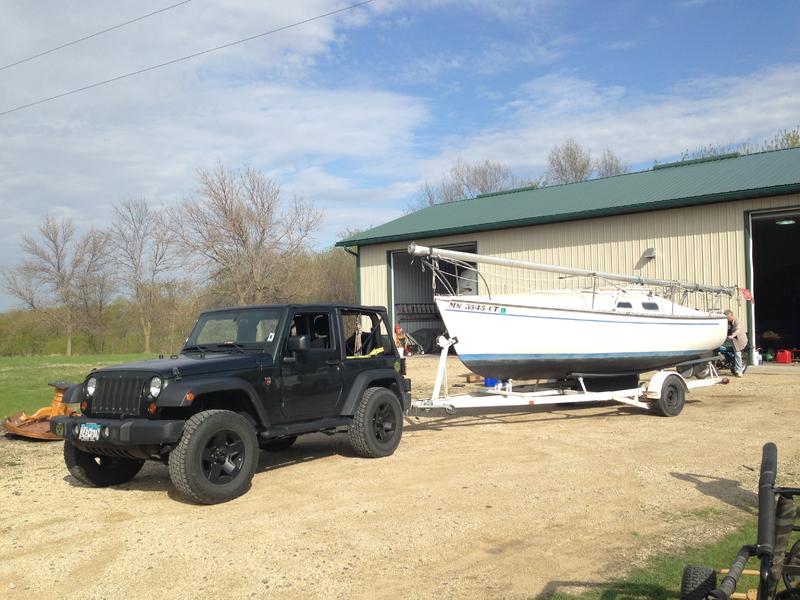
(247, 377)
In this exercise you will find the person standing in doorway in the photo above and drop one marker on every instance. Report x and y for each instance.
(738, 337)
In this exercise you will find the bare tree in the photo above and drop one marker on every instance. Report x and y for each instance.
(782, 140)
(609, 164)
(466, 180)
(94, 286)
(142, 256)
(569, 163)
(56, 262)
(243, 233)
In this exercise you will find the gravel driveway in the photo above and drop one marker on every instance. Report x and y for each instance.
(470, 506)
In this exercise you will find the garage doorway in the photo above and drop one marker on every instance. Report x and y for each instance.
(776, 280)
(412, 291)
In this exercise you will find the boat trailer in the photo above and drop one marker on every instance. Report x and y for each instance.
(664, 393)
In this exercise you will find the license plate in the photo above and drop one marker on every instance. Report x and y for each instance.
(90, 432)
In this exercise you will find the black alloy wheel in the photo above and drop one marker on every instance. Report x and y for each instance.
(223, 457)
(384, 422)
(216, 456)
(377, 423)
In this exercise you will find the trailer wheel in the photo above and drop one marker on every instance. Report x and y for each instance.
(702, 371)
(686, 372)
(673, 396)
(697, 582)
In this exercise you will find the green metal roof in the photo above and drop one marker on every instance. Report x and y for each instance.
(719, 179)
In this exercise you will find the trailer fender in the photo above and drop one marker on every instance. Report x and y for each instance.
(656, 384)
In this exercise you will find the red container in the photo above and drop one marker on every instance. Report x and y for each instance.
(783, 356)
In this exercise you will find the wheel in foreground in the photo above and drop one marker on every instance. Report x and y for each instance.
(697, 582)
(377, 423)
(673, 397)
(216, 457)
(99, 470)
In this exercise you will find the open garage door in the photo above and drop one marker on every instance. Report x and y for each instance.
(412, 295)
(776, 280)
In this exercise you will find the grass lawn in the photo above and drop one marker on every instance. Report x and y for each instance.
(23, 380)
(661, 578)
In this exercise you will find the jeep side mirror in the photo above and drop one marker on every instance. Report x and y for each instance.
(298, 343)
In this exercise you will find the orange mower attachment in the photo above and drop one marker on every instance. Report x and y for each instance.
(37, 425)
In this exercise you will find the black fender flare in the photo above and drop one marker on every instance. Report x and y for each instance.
(174, 394)
(366, 379)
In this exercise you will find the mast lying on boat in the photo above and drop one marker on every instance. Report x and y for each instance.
(417, 250)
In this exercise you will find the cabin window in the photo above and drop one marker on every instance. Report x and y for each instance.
(649, 306)
(624, 305)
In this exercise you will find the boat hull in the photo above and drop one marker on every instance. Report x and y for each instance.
(507, 341)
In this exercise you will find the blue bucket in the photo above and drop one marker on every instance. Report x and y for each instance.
(489, 382)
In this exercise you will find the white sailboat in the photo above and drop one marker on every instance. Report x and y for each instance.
(558, 334)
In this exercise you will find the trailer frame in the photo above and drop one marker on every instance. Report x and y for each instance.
(655, 394)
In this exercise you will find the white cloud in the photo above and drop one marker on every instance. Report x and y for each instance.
(637, 126)
(256, 104)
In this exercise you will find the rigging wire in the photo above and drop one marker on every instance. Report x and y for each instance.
(187, 57)
(93, 35)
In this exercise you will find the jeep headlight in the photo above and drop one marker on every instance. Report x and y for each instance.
(155, 387)
(91, 386)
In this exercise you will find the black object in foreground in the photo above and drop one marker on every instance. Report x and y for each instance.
(776, 521)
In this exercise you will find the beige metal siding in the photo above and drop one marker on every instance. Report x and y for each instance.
(704, 244)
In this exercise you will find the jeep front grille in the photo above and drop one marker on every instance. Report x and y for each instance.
(118, 395)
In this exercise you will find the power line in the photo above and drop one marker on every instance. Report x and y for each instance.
(187, 57)
(88, 37)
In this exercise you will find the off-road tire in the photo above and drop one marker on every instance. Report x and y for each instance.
(697, 582)
(280, 444)
(377, 423)
(97, 470)
(672, 398)
(214, 444)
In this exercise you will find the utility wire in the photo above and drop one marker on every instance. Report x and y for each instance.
(88, 37)
(187, 57)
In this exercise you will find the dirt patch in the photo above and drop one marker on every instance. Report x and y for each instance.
(497, 505)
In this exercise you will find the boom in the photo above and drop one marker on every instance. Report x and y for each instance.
(417, 250)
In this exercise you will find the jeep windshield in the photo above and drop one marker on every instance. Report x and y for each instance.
(235, 330)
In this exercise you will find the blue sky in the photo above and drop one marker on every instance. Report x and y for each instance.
(356, 111)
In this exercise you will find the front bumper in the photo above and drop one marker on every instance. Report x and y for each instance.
(120, 432)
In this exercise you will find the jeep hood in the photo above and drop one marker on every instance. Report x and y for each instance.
(194, 364)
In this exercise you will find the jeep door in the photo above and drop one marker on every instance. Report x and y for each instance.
(311, 380)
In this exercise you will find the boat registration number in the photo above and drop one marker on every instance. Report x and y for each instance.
(488, 308)
(89, 432)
